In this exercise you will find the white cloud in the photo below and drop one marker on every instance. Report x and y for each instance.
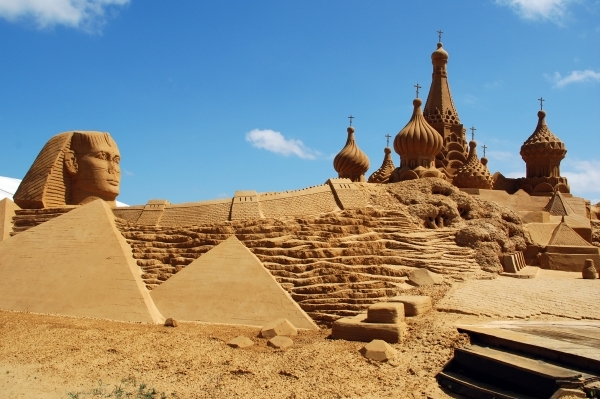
(89, 15)
(275, 142)
(583, 177)
(588, 75)
(550, 10)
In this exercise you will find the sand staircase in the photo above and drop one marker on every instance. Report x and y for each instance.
(333, 265)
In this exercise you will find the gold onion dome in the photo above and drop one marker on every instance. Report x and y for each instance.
(543, 144)
(418, 137)
(351, 162)
(473, 173)
(382, 175)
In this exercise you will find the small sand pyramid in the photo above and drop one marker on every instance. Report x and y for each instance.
(228, 285)
(557, 206)
(563, 235)
(78, 264)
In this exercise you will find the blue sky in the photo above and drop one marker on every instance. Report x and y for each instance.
(208, 97)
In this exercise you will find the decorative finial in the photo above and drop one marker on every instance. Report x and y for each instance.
(388, 139)
(439, 35)
(418, 87)
(472, 133)
(350, 117)
(484, 148)
(541, 100)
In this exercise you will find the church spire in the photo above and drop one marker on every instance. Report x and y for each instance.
(441, 114)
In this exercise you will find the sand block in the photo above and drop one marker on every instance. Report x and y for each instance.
(7, 212)
(423, 277)
(229, 285)
(378, 350)
(589, 271)
(414, 305)
(385, 312)
(567, 393)
(280, 342)
(358, 329)
(77, 264)
(241, 342)
(279, 327)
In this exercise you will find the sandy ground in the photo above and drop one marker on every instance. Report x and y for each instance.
(44, 356)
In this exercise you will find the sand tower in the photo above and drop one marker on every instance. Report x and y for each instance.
(351, 163)
(441, 114)
(542, 153)
(474, 173)
(417, 144)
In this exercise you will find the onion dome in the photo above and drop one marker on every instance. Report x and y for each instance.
(543, 144)
(473, 173)
(382, 175)
(439, 54)
(417, 138)
(351, 162)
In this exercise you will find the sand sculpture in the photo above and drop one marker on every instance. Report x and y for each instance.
(417, 144)
(318, 254)
(351, 162)
(73, 168)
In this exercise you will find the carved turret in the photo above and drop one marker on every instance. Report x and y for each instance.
(351, 162)
(542, 153)
(441, 114)
(417, 144)
(474, 173)
(382, 175)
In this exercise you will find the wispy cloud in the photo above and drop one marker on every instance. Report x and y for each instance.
(582, 176)
(588, 75)
(550, 10)
(275, 142)
(88, 15)
(493, 85)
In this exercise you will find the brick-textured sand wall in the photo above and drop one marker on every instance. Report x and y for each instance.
(199, 213)
(310, 201)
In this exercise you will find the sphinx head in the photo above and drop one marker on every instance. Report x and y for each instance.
(93, 165)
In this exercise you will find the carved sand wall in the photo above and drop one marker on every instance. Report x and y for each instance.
(309, 201)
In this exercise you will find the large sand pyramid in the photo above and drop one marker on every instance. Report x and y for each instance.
(78, 264)
(228, 284)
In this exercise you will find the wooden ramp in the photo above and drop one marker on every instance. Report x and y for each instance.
(78, 264)
(229, 285)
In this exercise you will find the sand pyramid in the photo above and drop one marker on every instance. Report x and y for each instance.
(78, 264)
(557, 206)
(229, 285)
(564, 235)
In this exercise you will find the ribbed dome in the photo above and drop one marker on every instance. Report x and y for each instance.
(351, 162)
(543, 143)
(418, 137)
(382, 175)
(440, 53)
(473, 174)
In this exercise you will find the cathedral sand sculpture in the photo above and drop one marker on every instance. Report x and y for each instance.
(313, 256)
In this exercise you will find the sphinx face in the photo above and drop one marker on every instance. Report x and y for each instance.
(98, 173)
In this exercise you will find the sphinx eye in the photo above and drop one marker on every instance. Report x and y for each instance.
(117, 160)
(101, 155)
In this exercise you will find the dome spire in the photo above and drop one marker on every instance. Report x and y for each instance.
(382, 175)
(542, 153)
(473, 174)
(441, 114)
(417, 144)
(351, 162)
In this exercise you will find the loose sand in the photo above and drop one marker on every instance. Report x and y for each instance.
(44, 356)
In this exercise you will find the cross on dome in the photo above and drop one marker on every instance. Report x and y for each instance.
(350, 117)
(541, 100)
(439, 35)
(472, 132)
(484, 148)
(418, 87)
(388, 139)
